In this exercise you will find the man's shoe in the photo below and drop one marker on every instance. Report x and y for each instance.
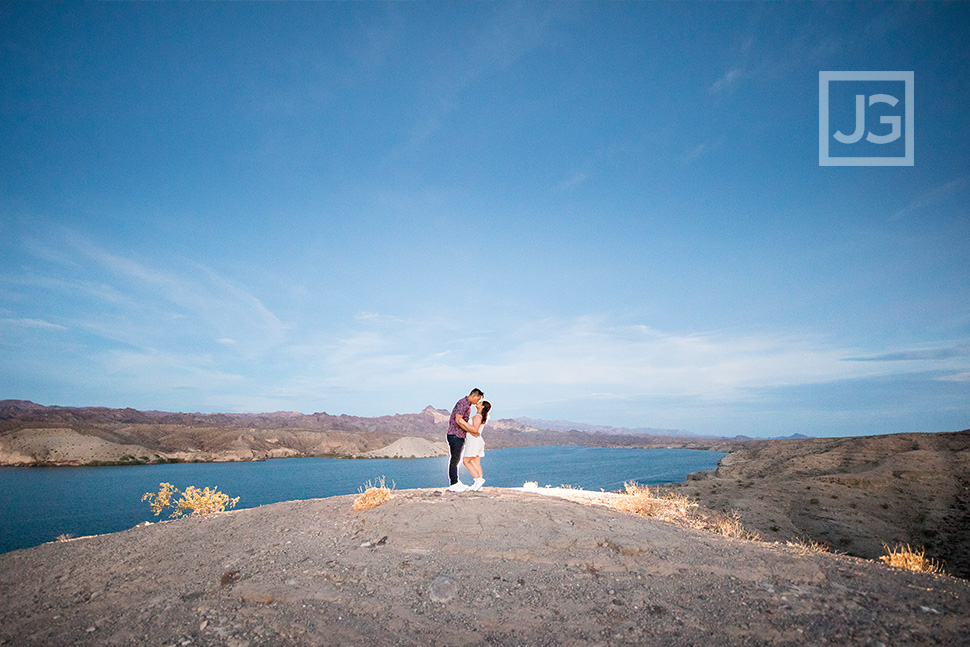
(458, 487)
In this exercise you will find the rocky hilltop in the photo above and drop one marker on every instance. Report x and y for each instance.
(429, 567)
(33, 434)
(853, 495)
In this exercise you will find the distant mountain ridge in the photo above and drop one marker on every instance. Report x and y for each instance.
(567, 425)
(35, 434)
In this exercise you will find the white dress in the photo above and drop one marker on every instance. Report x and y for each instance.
(474, 445)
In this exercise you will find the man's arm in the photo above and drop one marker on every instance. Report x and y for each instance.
(464, 424)
(469, 428)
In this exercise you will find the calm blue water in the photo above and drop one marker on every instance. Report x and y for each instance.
(37, 504)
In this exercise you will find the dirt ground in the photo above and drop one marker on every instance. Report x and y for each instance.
(430, 567)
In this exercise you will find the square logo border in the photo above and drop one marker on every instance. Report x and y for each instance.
(823, 118)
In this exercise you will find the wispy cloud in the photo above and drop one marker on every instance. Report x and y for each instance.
(161, 372)
(586, 358)
(510, 34)
(33, 323)
(728, 81)
(701, 150)
(930, 198)
(958, 377)
(576, 179)
(207, 304)
(949, 352)
(377, 318)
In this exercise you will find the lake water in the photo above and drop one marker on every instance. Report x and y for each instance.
(37, 504)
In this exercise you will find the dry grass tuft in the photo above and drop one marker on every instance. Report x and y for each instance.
(65, 537)
(373, 494)
(677, 508)
(902, 556)
(730, 525)
(639, 500)
(804, 545)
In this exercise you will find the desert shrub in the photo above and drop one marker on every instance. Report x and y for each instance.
(65, 537)
(729, 524)
(373, 494)
(639, 500)
(805, 545)
(679, 509)
(902, 556)
(194, 500)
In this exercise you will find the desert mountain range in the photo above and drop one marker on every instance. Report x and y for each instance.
(34, 434)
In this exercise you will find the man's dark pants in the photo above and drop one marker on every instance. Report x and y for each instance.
(456, 444)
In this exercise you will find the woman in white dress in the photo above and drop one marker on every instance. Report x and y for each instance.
(474, 445)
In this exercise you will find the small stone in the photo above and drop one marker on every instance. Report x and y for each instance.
(91, 629)
(443, 589)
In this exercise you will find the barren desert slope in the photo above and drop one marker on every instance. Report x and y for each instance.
(851, 494)
(429, 567)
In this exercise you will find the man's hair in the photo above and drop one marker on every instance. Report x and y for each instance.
(477, 392)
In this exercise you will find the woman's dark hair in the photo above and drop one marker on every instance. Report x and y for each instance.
(486, 406)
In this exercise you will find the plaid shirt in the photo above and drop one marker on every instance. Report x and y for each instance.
(462, 408)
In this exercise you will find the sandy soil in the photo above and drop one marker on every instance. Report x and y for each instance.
(429, 567)
(161, 443)
(62, 446)
(410, 447)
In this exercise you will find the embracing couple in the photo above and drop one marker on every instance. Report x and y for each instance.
(465, 440)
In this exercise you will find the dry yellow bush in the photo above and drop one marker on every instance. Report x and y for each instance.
(373, 494)
(639, 500)
(677, 508)
(804, 545)
(902, 556)
(730, 525)
(161, 499)
(194, 500)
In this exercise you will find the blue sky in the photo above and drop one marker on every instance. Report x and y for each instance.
(611, 213)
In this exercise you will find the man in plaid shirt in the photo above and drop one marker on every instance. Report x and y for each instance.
(456, 436)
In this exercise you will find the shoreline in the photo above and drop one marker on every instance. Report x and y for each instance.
(339, 456)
